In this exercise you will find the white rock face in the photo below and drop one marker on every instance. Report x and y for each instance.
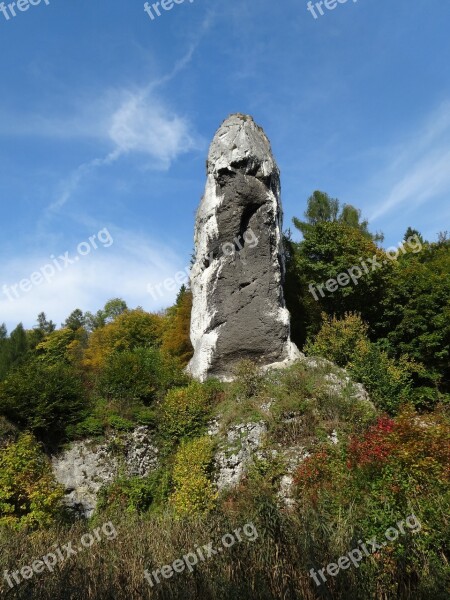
(238, 305)
(241, 446)
(86, 466)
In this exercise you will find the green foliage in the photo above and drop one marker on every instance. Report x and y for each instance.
(323, 209)
(414, 315)
(338, 338)
(185, 411)
(8, 432)
(139, 374)
(120, 424)
(328, 250)
(13, 350)
(75, 320)
(345, 342)
(60, 346)
(42, 398)
(376, 479)
(112, 309)
(134, 494)
(248, 379)
(389, 382)
(129, 330)
(194, 493)
(89, 427)
(146, 416)
(29, 496)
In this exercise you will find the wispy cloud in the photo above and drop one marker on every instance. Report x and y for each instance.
(140, 124)
(419, 167)
(123, 269)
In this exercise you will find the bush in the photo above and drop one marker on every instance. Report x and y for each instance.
(146, 416)
(133, 494)
(120, 424)
(194, 492)
(44, 398)
(338, 338)
(345, 342)
(388, 382)
(185, 411)
(29, 495)
(89, 427)
(249, 380)
(142, 374)
(398, 467)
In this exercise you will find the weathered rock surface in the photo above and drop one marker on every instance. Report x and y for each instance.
(86, 466)
(238, 305)
(238, 450)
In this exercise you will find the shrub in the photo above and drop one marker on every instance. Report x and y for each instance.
(389, 382)
(134, 494)
(43, 398)
(29, 495)
(142, 374)
(89, 427)
(338, 338)
(249, 380)
(194, 492)
(146, 416)
(120, 424)
(185, 411)
(345, 342)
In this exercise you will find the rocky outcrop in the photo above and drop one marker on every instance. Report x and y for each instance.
(238, 305)
(86, 466)
(237, 451)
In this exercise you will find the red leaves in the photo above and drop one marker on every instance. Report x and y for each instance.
(374, 448)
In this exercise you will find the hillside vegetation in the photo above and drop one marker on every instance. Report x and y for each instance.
(362, 466)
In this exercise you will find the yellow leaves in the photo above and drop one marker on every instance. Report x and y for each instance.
(194, 493)
(131, 329)
(29, 494)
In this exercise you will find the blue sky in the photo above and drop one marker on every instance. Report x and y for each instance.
(106, 117)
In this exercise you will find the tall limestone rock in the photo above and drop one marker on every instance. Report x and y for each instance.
(238, 305)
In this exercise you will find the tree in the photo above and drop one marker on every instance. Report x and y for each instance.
(411, 233)
(321, 208)
(129, 330)
(44, 325)
(176, 337)
(42, 398)
(75, 320)
(414, 316)
(329, 249)
(13, 350)
(112, 309)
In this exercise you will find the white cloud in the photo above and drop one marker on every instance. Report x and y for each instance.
(123, 270)
(137, 123)
(142, 124)
(419, 168)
